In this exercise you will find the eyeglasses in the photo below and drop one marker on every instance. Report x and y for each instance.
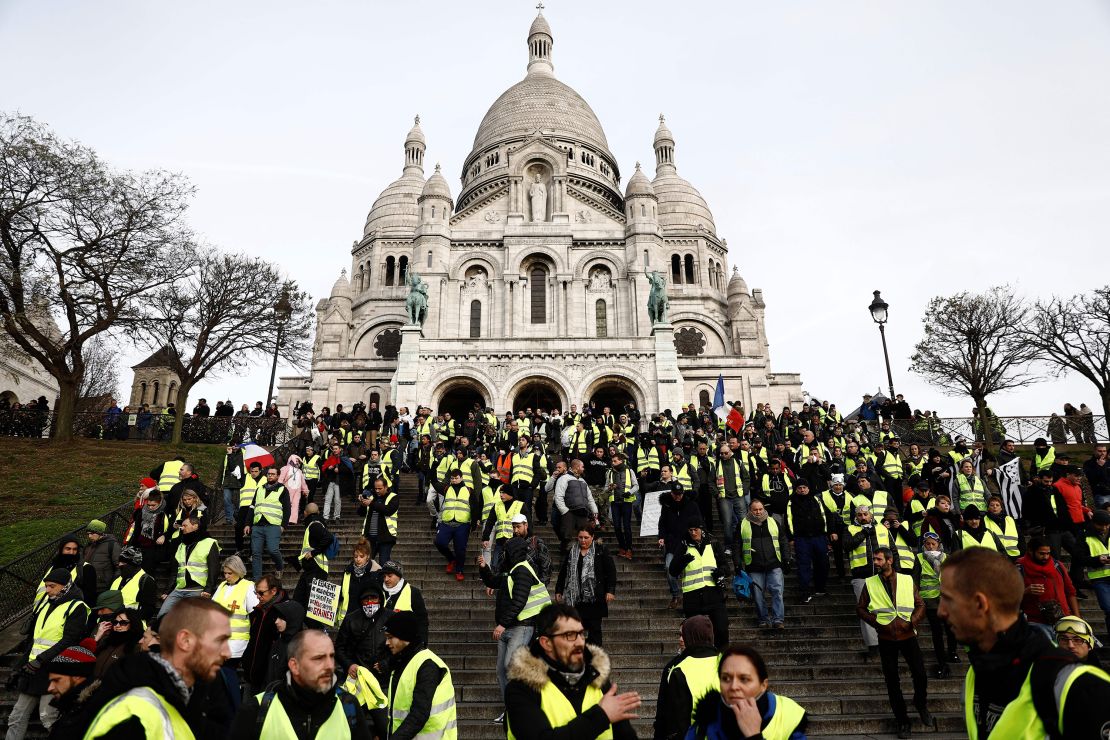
(262, 592)
(571, 635)
(1068, 639)
(121, 622)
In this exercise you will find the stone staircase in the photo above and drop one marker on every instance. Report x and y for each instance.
(816, 660)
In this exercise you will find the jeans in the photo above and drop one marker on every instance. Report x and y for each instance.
(21, 714)
(332, 501)
(457, 535)
(622, 523)
(813, 562)
(671, 580)
(769, 586)
(732, 510)
(511, 639)
(870, 637)
(1102, 593)
(941, 631)
(265, 537)
(229, 504)
(382, 550)
(889, 650)
(178, 594)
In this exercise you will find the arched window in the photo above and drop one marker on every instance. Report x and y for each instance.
(142, 392)
(361, 277)
(154, 401)
(429, 258)
(703, 399)
(643, 210)
(171, 394)
(376, 397)
(389, 269)
(676, 269)
(538, 278)
(475, 319)
(402, 270)
(690, 269)
(712, 273)
(602, 319)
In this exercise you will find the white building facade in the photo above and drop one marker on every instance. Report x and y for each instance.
(537, 277)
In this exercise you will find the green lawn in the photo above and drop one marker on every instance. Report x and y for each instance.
(47, 490)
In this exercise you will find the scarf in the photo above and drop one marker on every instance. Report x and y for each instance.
(358, 572)
(757, 518)
(933, 556)
(584, 590)
(396, 589)
(149, 518)
(175, 677)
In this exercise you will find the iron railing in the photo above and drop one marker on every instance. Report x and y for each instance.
(151, 428)
(1023, 430)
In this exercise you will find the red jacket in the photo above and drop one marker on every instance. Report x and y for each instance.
(1073, 497)
(1057, 586)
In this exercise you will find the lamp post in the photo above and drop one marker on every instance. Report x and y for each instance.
(878, 310)
(283, 311)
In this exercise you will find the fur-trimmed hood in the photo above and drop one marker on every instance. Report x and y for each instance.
(532, 670)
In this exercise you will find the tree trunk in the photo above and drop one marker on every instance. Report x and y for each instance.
(65, 409)
(179, 402)
(986, 427)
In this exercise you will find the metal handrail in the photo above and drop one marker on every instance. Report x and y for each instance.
(157, 428)
(1023, 430)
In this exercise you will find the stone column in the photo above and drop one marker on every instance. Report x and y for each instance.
(404, 387)
(668, 377)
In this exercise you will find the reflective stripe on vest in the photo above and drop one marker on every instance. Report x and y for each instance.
(892, 464)
(268, 504)
(682, 474)
(881, 605)
(311, 468)
(278, 726)
(523, 467)
(785, 481)
(194, 562)
(746, 538)
(503, 528)
(701, 677)
(171, 475)
(1097, 548)
(878, 502)
(489, 499)
(929, 587)
(844, 511)
(972, 492)
(699, 571)
(130, 590)
(898, 546)
(559, 711)
(626, 496)
(456, 505)
(858, 557)
(50, 623)
(788, 715)
(966, 541)
(538, 597)
(650, 461)
(441, 717)
(250, 487)
(234, 599)
(321, 559)
(1007, 535)
(159, 718)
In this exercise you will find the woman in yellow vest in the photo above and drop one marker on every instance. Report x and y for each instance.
(927, 576)
(1004, 527)
(744, 707)
(236, 594)
(974, 534)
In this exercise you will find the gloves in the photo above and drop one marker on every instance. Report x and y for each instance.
(31, 667)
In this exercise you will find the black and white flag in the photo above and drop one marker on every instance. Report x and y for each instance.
(1008, 477)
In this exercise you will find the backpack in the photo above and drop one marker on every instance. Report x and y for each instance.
(350, 704)
(333, 549)
(539, 558)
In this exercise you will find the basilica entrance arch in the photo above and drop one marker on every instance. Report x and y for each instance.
(538, 393)
(615, 391)
(458, 396)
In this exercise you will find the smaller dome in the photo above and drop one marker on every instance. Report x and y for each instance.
(342, 286)
(416, 134)
(638, 184)
(736, 285)
(539, 26)
(663, 134)
(436, 186)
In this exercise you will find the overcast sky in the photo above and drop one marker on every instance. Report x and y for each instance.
(844, 147)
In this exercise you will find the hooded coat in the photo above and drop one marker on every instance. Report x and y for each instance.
(293, 614)
(103, 556)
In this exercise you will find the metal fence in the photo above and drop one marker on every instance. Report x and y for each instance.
(152, 428)
(1021, 429)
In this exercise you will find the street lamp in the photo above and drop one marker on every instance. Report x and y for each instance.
(878, 310)
(283, 311)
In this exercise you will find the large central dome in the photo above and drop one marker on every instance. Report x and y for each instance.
(540, 101)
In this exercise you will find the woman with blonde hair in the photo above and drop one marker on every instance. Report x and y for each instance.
(236, 594)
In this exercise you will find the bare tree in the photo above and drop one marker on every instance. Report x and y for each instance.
(974, 346)
(101, 376)
(80, 242)
(1074, 335)
(221, 318)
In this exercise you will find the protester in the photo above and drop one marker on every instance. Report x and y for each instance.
(70, 674)
(701, 564)
(588, 582)
(102, 554)
(116, 639)
(421, 694)
(691, 675)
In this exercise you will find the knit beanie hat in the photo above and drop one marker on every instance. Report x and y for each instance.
(109, 600)
(97, 526)
(59, 576)
(697, 631)
(403, 626)
(76, 660)
(392, 566)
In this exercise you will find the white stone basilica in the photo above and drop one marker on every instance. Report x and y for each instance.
(537, 277)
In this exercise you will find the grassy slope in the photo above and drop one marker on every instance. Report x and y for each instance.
(47, 490)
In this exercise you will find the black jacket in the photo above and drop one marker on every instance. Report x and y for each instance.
(605, 572)
(233, 462)
(707, 596)
(307, 712)
(419, 608)
(675, 705)
(427, 680)
(806, 516)
(72, 633)
(674, 517)
(379, 506)
(361, 640)
(103, 556)
(509, 604)
(293, 614)
(263, 632)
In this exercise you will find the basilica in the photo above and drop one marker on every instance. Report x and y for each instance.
(538, 276)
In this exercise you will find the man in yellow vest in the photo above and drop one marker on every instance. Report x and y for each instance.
(891, 604)
(1019, 685)
(270, 515)
(540, 698)
(243, 516)
(421, 694)
(307, 702)
(56, 623)
(528, 472)
(687, 678)
(197, 562)
(461, 506)
(138, 590)
(1094, 553)
(699, 565)
(151, 702)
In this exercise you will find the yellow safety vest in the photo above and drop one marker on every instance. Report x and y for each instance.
(1007, 534)
(456, 505)
(1044, 463)
(129, 591)
(268, 504)
(171, 475)
(234, 599)
(699, 571)
(404, 599)
(858, 557)
(719, 473)
(1019, 720)
(279, 727)
(250, 487)
(522, 467)
(311, 468)
(701, 677)
(1097, 548)
(878, 502)
(881, 605)
(321, 559)
(650, 461)
(682, 474)
(892, 464)
(844, 511)
(785, 481)
(194, 562)
(788, 715)
(746, 538)
(559, 711)
(441, 719)
(902, 551)
(579, 443)
(626, 497)
(50, 623)
(159, 718)
(538, 597)
(343, 600)
(972, 492)
(503, 528)
(966, 541)
(364, 687)
(916, 507)
(929, 587)
(489, 499)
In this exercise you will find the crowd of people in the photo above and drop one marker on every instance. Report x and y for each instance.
(236, 646)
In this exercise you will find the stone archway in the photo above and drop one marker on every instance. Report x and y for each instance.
(536, 392)
(458, 396)
(615, 391)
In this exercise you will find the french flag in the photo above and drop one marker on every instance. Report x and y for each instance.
(731, 416)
